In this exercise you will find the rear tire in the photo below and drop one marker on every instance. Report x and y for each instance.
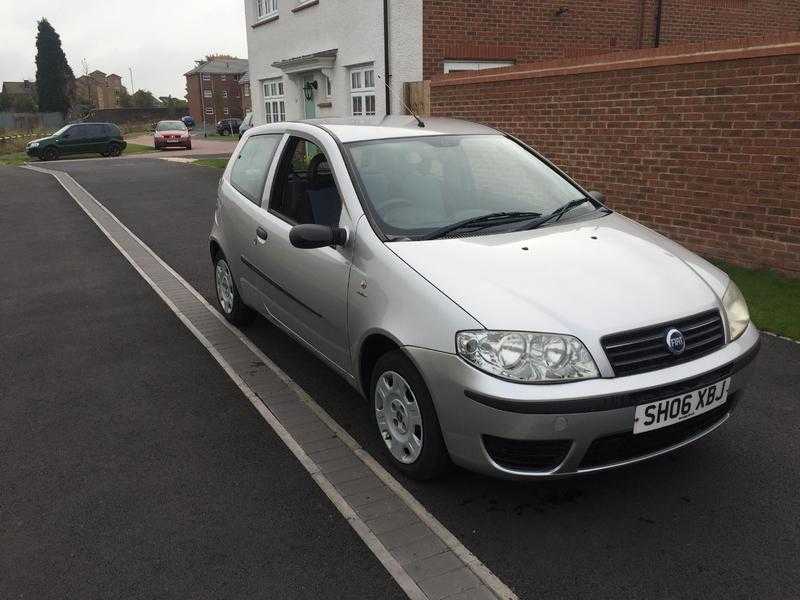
(114, 149)
(228, 300)
(405, 418)
(189, 147)
(50, 154)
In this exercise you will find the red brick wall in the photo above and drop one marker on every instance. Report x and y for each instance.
(528, 30)
(703, 147)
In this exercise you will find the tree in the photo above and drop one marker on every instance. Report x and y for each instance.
(55, 82)
(24, 104)
(125, 100)
(144, 99)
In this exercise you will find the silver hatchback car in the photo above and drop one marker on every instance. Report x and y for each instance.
(494, 313)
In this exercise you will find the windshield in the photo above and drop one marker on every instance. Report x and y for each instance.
(416, 186)
(171, 126)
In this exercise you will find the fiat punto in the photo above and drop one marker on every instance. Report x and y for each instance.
(494, 313)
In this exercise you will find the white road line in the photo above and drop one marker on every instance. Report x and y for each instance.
(406, 582)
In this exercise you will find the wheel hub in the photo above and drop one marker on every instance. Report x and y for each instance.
(398, 416)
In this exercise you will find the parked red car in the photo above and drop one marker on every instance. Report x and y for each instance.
(171, 134)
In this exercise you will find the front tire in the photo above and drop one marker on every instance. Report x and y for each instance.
(228, 300)
(405, 418)
(50, 154)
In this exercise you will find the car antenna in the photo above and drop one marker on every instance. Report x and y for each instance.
(420, 122)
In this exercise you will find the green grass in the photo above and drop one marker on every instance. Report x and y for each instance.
(217, 163)
(15, 158)
(773, 300)
(138, 149)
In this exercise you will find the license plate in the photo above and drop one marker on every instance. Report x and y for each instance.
(669, 411)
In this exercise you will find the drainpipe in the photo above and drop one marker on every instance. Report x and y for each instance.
(386, 74)
(659, 10)
(640, 33)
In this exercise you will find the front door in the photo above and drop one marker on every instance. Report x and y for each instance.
(311, 106)
(75, 140)
(305, 289)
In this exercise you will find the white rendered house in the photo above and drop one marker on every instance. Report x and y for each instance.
(324, 58)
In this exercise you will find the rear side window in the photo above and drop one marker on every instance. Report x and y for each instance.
(249, 171)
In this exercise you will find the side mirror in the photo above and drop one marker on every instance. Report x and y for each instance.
(599, 196)
(317, 236)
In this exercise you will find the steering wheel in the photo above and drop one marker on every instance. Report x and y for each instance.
(394, 205)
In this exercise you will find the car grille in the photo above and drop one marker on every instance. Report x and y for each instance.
(645, 349)
(625, 446)
(526, 455)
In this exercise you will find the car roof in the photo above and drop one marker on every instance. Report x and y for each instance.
(358, 129)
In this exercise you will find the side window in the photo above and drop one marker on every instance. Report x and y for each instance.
(305, 190)
(78, 132)
(249, 172)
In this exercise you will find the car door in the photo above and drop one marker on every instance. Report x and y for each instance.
(305, 289)
(73, 140)
(96, 139)
(241, 191)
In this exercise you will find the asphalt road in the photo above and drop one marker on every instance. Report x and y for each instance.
(720, 519)
(130, 465)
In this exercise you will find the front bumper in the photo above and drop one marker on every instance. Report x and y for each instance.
(32, 152)
(562, 421)
(178, 143)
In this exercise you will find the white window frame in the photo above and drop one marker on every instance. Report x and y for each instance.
(475, 65)
(226, 111)
(274, 100)
(207, 94)
(209, 110)
(224, 93)
(222, 78)
(246, 89)
(328, 87)
(266, 9)
(362, 91)
(206, 76)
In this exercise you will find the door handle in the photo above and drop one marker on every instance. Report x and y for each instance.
(261, 235)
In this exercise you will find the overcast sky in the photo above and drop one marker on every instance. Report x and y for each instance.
(159, 39)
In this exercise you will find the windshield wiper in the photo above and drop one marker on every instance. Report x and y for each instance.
(496, 218)
(556, 214)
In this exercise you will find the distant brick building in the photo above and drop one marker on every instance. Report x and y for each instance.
(100, 90)
(19, 91)
(213, 89)
(244, 85)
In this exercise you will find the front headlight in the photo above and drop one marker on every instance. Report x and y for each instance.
(526, 357)
(736, 312)
(33, 145)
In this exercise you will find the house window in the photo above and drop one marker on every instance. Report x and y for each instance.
(206, 77)
(207, 93)
(266, 8)
(224, 93)
(226, 111)
(274, 103)
(471, 65)
(209, 110)
(362, 91)
(328, 87)
(222, 78)
(246, 89)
